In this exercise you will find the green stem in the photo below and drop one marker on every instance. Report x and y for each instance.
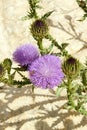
(35, 14)
(39, 43)
(70, 94)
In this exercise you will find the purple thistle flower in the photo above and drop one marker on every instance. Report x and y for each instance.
(46, 72)
(25, 54)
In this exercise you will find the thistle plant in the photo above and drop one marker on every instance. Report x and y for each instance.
(45, 68)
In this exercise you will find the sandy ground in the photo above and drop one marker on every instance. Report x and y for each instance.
(19, 108)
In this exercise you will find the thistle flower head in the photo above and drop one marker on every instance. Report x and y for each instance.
(39, 29)
(25, 54)
(46, 72)
(71, 67)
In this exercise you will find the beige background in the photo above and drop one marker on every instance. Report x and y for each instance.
(18, 109)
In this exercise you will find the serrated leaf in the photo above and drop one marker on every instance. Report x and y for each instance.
(13, 75)
(83, 18)
(45, 16)
(21, 68)
(64, 45)
(25, 18)
(21, 83)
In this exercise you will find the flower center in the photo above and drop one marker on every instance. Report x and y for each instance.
(39, 23)
(45, 71)
(71, 60)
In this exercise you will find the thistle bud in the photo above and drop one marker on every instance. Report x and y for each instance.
(7, 63)
(71, 67)
(39, 29)
(82, 4)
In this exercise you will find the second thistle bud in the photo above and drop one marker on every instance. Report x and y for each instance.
(7, 63)
(82, 4)
(39, 29)
(71, 67)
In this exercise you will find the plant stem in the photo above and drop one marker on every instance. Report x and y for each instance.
(39, 43)
(70, 94)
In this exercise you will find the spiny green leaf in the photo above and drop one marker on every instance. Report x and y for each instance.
(33, 6)
(21, 83)
(82, 110)
(13, 75)
(27, 17)
(64, 45)
(83, 18)
(23, 77)
(21, 68)
(45, 16)
(33, 2)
